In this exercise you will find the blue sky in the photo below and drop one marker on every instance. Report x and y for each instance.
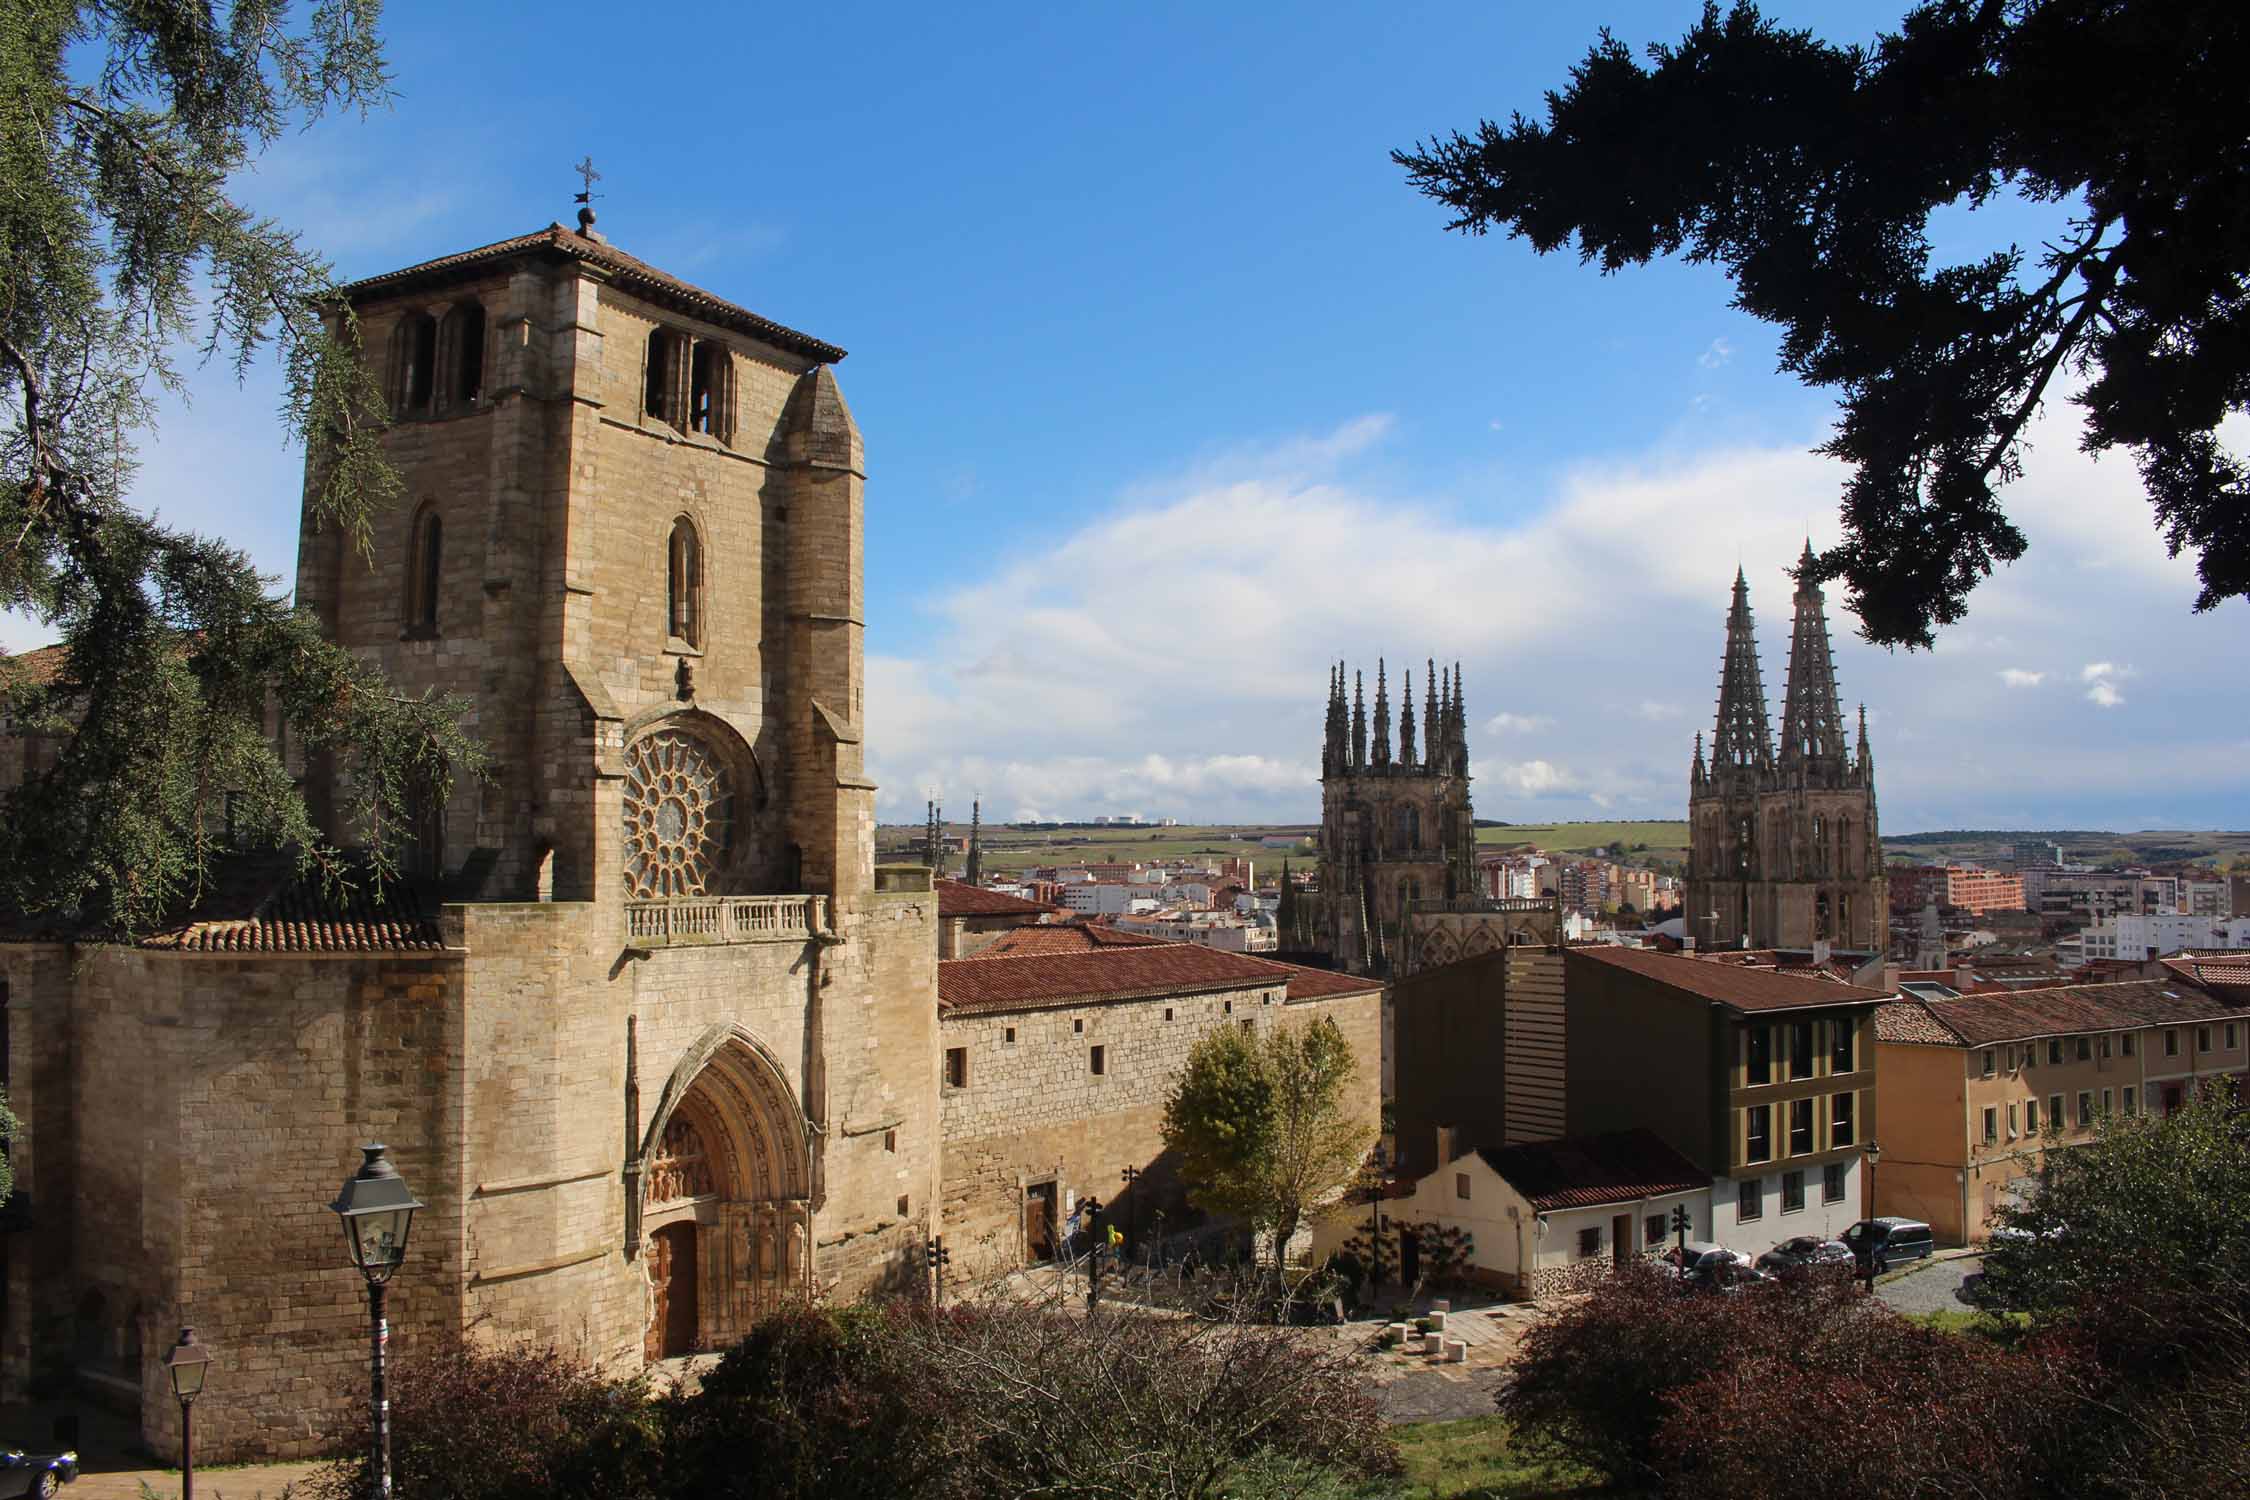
(1173, 391)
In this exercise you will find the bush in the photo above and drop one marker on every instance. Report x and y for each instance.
(512, 1422)
(1786, 1391)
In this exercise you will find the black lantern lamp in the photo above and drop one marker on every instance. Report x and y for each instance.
(186, 1366)
(377, 1209)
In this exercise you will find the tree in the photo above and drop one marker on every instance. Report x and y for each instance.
(1810, 171)
(1264, 1124)
(120, 129)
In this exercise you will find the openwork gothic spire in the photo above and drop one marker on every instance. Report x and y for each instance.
(1382, 718)
(1359, 721)
(1812, 723)
(1406, 721)
(1743, 740)
(974, 873)
(1430, 732)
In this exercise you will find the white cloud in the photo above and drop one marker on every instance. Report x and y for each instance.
(1657, 712)
(2102, 678)
(1507, 723)
(2104, 695)
(2017, 677)
(1716, 354)
(1536, 778)
(2095, 671)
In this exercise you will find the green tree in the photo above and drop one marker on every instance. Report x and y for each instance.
(1810, 171)
(1264, 1124)
(121, 248)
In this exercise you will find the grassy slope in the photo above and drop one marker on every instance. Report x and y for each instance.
(1473, 1459)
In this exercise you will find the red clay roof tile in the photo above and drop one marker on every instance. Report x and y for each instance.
(1588, 1171)
(1733, 984)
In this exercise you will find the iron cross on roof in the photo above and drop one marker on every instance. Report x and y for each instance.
(586, 195)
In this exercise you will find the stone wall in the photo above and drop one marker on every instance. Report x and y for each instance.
(1035, 1112)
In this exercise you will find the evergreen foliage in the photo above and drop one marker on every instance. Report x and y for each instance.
(1810, 171)
(1262, 1125)
(121, 247)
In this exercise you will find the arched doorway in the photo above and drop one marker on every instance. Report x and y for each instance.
(724, 1211)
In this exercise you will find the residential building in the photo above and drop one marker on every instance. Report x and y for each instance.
(1964, 887)
(1478, 1048)
(969, 916)
(1784, 848)
(1974, 1090)
(1055, 1066)
(2133, 935)
(1764, 1079)
(1212, 929)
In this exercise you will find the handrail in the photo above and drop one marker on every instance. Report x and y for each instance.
(725, 919)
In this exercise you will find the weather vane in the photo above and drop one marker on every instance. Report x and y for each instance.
(586, 196)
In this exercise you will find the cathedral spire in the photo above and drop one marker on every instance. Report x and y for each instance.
(974, 874)
(1406, 721)
(1695, 776)
(1743, 740)
(1460, 733)
(1865, 760)
(1359, 722)
(1430, 737)
(1812, 724)
(1332, 738)
(1382, 718)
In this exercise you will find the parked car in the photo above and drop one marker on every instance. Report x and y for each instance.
(1722, 1270)
(39, 1474)
(2053, 1234)
(1807, 1255)
(1678, 1260)
(1877, 1243)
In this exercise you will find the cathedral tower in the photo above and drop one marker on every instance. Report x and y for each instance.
(1784, 848)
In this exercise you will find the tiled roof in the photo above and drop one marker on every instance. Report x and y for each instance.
(2019, 1015)
(2221, 974)
(1027, 980)
(1731, 984)
(1073, 937)
(36, 667)
(1590, 1170)
(1911, 1021)
(627, 270)
(1321, 984)
(958, 898)
(258, 903)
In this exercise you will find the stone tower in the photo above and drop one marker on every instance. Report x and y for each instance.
(1785, 850)
(1395, 830)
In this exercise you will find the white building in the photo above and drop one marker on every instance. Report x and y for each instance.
(2133, 935)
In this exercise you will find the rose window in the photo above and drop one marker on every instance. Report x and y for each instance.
(678, 804)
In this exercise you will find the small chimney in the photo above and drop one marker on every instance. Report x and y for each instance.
(1444, 1144)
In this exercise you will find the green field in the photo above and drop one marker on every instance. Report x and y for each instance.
(1475, 1459)
(1665, 838)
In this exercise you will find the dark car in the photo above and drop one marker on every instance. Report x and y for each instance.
(1807, 1255)
(1877, 1243)
(1718, 1270)
(38, 1474)
(1679, 1260)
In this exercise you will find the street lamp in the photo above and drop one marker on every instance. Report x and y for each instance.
(185, 1366)
(1132, 1207)
(1378, 1185)
(377, 1210)
(1093, 1208)
(1874, 1154)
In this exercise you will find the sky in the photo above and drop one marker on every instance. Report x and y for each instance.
(1174, 393)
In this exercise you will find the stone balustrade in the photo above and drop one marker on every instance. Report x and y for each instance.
(725, 919)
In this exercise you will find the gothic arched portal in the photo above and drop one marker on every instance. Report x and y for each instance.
(724, 1195)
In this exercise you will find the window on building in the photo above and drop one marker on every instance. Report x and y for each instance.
(2054, 1051)
(711, 391)
(2011, 1122)
(2085, 1107)
(1832, 1183)
(1800, 1127)
(1097, 1060)
(463, 341)
(2031, 1117)
(2105, 1101)
(1840, 1121)
(425, 572)
(1749, 1201)
(2125, 1043)
(1758, 1040)
(1792, 1192)
(1652, 1230)
(1758, 1142)
(660, 396)
(890, 1141)
(1461, 1185)
(2230, 1033)
(956, 1067)
(1589, 1242)
(1229, 1008)
(2171, 1042)
(684, 591)
(413, 365)
(904, 1202)
(1991, 1125)
(1843, 1046)
(1078, 1026)
(1800, 1049)
(2130, 1097)
(2055, 1117)
(1990, 1062)
(1008, 1037)
(2202, 1038)
(2105, 1049)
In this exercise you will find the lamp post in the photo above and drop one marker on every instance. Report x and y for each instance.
(1874, 1154)
(1132, 1206)
(939, 1258)
(1378, 1184)
(1093, 1209)
(1680, 1222)
(377, 1210)
(185, 1367)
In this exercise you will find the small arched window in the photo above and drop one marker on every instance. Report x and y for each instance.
(661, 394)
(463, 342)
(425, 572)
(711, 391)
(684, 593)
(413, 364)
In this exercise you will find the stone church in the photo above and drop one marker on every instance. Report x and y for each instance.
(1398, 883)
(655, 1040)
(1784, 848)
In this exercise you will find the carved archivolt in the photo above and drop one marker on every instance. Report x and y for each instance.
(681, 1167)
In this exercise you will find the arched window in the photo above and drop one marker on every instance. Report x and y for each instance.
(413, 365)
(1820, 844)
(711, 391)
(463, 342)
(684, 592)
(661, 395)
(679, 816)
(425, 564)
(1745, 844)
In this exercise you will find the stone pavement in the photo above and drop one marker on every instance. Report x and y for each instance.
(1930, 1286)
(1411, 1387)
(113, 1465)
